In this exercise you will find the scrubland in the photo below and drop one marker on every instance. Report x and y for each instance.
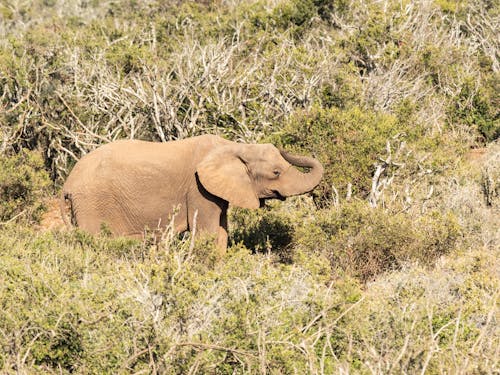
(390, 266)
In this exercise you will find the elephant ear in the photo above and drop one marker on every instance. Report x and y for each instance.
(225, 175)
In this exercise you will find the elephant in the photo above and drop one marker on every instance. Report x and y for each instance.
(130, 185)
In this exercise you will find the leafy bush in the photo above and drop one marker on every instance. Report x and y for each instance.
(169, 307)
(82, 304)
(403, 309)
(365, 43)
(83, 74)
(357, 240)
(347, 142)
(263, 231)
(23, 184)
(474, 108)
(363, 242)
(294, 13)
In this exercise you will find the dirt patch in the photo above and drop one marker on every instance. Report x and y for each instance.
(476, 154)
(51, 219)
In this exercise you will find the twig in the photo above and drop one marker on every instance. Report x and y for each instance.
(13, 218)
(216, 347)
(79, 122)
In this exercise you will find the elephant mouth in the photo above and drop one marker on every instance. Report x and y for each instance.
(275, 195)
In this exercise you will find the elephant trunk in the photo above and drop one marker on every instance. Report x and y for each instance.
(302, 182)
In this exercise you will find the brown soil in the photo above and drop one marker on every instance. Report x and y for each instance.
(52, 219)
(476, 154)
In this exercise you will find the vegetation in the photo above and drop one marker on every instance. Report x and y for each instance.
(389, 266)
(23, 184)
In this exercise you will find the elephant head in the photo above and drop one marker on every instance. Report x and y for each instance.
(244, 174)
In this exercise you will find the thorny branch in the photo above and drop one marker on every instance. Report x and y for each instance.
(381, 180)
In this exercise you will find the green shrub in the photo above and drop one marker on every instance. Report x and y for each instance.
(294, 13)
(357, 240)
(345, 92)
(23, 183)
(293, 17)
(76, 303)
(347, 142)
(328, 7)
(364, 46)
(452, 7)
(264, 230)
(364, 242)
(475, 108)
(62, 347)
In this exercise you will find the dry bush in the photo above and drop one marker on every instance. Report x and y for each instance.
(490, 177)
(223, 85)
(428, 315)
(23, 184)
(84, 304)
(234, 68)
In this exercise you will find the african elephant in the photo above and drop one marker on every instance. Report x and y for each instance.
(130, 184)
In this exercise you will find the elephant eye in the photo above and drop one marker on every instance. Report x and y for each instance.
(276, 173)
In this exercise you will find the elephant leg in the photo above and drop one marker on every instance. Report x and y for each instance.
(222, 232)
(208, 214)
(213, 222)
(210, 218)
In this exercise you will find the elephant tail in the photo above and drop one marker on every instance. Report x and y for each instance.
(66, 207)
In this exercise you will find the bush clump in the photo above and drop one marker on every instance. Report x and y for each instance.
(73, 303)
(364, 242)
(475, 108)
(358, 241)
(23, 184)
(347, 142)
(263, 231)
(490, 178)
